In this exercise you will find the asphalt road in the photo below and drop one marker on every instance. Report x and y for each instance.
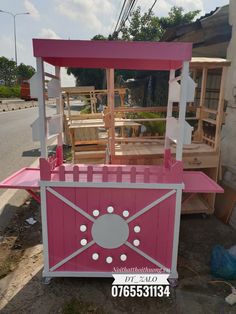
(17, 149)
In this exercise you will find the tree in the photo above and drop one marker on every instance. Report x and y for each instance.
(89, 77)
(177, 17)
(148, 27)
(24, 72)
(142, 27)
(8, 71)
(99, 37)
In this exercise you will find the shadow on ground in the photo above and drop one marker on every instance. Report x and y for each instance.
(36, 152)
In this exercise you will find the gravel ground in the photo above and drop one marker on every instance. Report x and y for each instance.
(21, 265)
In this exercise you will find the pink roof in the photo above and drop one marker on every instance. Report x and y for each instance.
(113, 54)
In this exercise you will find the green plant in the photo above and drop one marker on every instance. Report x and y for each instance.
(8, 92)
(86, 109)
(152, 127)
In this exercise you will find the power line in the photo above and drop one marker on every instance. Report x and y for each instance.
(127, 13)
(150, 10)
(126, 10)
(116, 17)
(121, 11)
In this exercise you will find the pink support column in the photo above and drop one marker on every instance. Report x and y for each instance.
(45, 171)
(59, 155)
(167, 158)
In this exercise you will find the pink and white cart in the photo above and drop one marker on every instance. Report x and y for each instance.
(98, 218)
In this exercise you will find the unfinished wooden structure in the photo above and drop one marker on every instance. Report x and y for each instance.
(83, 131)
(97, 217)
(205, 113)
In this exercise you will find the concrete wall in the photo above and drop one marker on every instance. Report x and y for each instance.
(228, 142)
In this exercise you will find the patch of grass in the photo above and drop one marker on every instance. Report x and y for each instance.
(75, 306)
(8, 92)
(9, 264)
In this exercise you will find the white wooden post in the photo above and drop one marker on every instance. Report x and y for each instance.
(44, 230)
(174, 273)
(42, 108)
(169, 108)
(111, 106)
(182, 109)
(59, 105)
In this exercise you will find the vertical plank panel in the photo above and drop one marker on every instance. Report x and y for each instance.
(146, 175)
(76, 173)
(133, 174)
(90, 173)
(119, 174)
(62, 174)
(104, 173)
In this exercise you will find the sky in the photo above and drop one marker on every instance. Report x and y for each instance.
(72, 19)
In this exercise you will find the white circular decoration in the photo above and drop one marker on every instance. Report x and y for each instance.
(109, 260)
(83, 228)
(95, 213)
(136, 242)
(126, 213)
(95, 256)
(110, 209)
(123, 257)
(110, 231)
(83, 242)
(137, 229)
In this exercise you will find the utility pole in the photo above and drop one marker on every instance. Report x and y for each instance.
(14, 20)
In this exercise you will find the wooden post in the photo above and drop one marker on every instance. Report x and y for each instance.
(220, 111)
(122, 98)
(182, 110)
(194, 76)
(202, 103)
(111, 105)
(42, 108)
(68, 103)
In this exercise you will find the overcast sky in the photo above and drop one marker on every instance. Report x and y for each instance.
(74, 19)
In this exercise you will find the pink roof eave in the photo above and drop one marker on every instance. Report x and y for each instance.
(113, 54)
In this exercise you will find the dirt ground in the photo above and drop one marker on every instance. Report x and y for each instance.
(21, 290)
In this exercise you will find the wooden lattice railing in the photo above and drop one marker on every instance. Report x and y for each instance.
(111, 173)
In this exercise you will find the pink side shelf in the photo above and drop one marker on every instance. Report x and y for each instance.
(26, 178)
(199, 182)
